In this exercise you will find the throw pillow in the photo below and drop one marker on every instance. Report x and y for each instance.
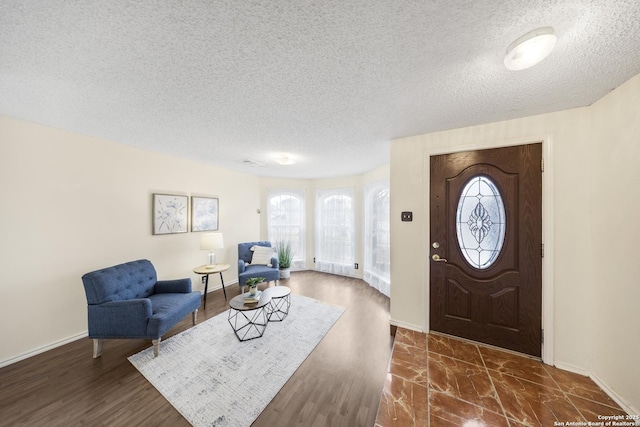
(261, 255)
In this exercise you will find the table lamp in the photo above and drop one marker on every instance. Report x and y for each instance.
(209, 242)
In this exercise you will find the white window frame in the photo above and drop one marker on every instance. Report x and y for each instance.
(377, 239)
(298, 249)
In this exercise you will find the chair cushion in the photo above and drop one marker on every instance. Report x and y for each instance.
(261, 255)
(268, 273)
(168, 310)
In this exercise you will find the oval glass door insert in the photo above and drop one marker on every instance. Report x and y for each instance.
(480, 222)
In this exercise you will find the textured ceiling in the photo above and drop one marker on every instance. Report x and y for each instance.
(329, 81)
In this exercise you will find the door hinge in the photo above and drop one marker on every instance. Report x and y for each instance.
(542, 250)
(542, 336)
(542, 164)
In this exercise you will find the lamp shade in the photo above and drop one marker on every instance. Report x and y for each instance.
(211, 241)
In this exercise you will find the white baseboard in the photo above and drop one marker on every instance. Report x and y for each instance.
(406, 325)
(216, 287)
(571, 368)
(85, 334)
(624, 405)
(354, 275)
(39, 350)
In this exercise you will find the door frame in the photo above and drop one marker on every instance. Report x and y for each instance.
(547, 225)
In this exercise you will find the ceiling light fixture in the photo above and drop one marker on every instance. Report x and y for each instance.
(284, 159)
(530, 49)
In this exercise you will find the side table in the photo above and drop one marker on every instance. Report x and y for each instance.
(206, 270)
(280, 303)
(248, 321)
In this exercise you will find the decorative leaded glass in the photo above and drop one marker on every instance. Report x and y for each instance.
(480, 222)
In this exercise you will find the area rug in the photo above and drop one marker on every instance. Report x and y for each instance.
(213, 379)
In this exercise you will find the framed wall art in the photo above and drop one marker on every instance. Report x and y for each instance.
(170, 213)
(204, 213)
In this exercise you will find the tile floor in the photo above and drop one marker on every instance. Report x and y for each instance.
(469, 385)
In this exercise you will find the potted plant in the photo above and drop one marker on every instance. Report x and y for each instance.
(284, 259)
(252, 283)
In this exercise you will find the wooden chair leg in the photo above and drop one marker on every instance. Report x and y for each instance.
(97, 348)
(156, 347)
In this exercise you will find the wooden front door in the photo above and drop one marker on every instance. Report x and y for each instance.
(486, 246)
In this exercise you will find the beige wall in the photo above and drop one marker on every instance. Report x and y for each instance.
(72, 204)
(614, 177)
(568, 162)
(582, 146)
(357, 182)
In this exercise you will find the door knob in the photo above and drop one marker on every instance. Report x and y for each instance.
(437, 258)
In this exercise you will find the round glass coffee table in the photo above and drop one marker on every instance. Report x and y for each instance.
(249, 321)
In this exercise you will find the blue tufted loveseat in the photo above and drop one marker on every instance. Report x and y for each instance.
(127, 301)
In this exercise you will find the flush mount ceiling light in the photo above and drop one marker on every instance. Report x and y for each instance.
(284, 159)
(530, 49)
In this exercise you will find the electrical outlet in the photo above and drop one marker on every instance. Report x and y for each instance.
(355, 265)
(203, 279)
(407, 216)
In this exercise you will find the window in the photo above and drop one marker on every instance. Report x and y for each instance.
(480, 222)
(285, 222)
(335, 231)
(377, 245)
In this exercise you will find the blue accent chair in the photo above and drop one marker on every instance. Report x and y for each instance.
(127, 301)
(246, 271)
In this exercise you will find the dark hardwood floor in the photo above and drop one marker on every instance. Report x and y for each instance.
(340, 383)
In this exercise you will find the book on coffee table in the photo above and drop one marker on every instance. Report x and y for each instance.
(252, 299)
